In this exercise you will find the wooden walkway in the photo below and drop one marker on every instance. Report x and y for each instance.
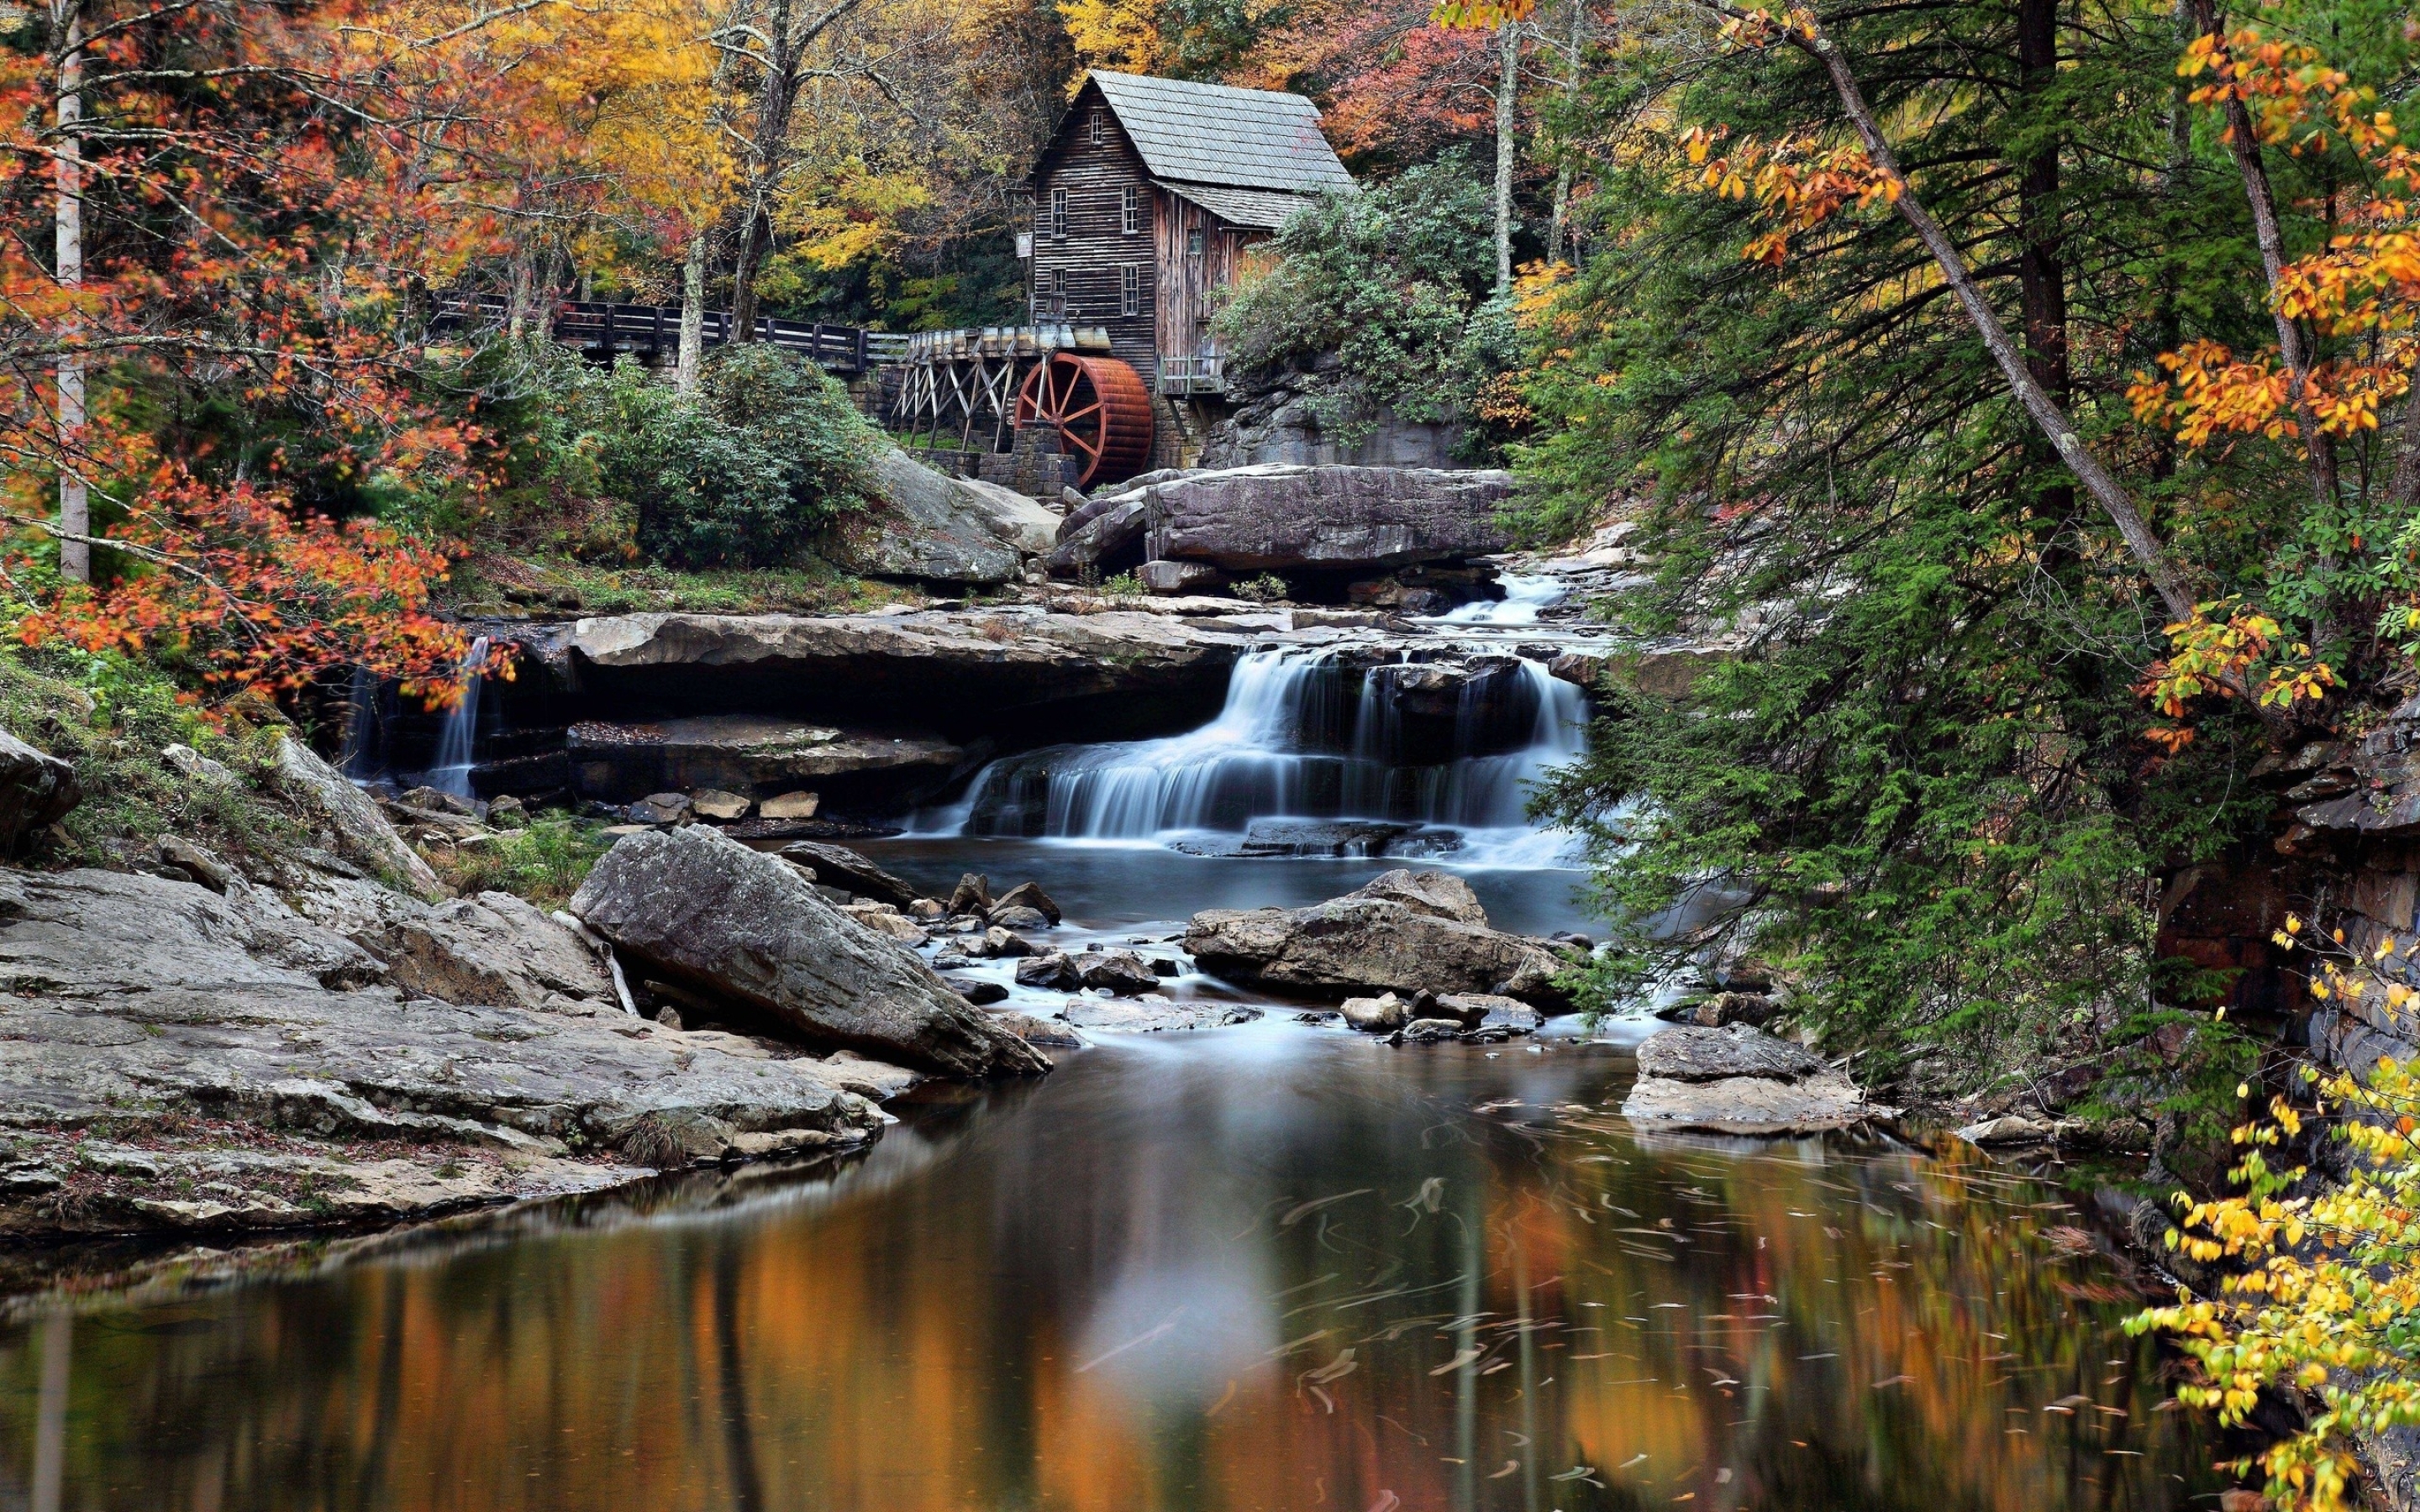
(653, 332)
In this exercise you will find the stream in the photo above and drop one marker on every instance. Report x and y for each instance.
(1279, 1266)
(1268, 1267)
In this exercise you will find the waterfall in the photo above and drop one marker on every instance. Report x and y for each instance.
(1297, 739)
(1523, 600)
(358, 760)
(452, 772)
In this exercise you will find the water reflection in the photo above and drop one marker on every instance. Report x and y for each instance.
(1271, 1268)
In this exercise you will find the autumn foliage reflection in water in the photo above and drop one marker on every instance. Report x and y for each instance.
(1273, 1269)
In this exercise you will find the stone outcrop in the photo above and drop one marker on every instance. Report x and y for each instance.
(1404, 932)
(945, 669)
(350, 824)
(1740, 1080)
(741, 925)
(173, 1057)
(36, 789)
(837, 866)
(1327, 519)
(750, 754)
(935, 529)
(1279, 418)
(495, 949)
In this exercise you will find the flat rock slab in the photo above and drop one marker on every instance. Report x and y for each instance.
(1691, 1053)
(1125, 1015)
(743, 752)
(912, 664)
(1751, 1104)
(269, 1074)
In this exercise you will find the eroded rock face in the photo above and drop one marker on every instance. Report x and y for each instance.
(494, 949)
(934, 529)
(700, 908)
(1327, 519)
(1404, 932)
(152, 1004)
(934, 667)
(36, 789)
(746, 754)
(1740, 1080)
(355, 829)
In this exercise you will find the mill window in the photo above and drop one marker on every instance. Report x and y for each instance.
(1059, 293)
(1130, 289)
(1129, 210)
(1057, 212)
(1193, 243)
(1100, 128)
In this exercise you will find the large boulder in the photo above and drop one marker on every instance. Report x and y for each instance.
(1740, 1080)
(703, 908)
(36, 789)
(353, 826)
(134, 1009)
(936, 529)
(1404, 932)
(1327, 519)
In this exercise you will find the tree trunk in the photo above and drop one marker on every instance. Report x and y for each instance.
(2039, 272)
(2042, 276)
(517, 304)
(692, 325)
(75, 502)
(755, 241)
(1558, 225)
(1508, 81)
(777, 98)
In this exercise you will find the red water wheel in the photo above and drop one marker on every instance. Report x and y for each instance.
(1100, 409)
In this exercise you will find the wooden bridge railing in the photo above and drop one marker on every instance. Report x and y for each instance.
(654, 329)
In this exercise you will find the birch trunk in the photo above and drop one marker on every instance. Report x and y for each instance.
(75, 502)
(1508, 81)
(1559, 227)
(692, 325)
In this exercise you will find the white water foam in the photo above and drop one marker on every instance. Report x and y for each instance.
(1295, 741)
(1525, 598)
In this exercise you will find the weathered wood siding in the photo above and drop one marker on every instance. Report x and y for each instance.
(1189, 279)
(1096, 245)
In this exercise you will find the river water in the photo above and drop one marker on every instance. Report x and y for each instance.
(1270, 1267)
(1277, 1266)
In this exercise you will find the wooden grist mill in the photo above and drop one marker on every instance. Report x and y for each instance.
(1144, 201)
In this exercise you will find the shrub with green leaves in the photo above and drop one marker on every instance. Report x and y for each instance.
(1397, 282)
(768, 453)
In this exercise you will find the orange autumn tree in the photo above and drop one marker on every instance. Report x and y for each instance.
(267, 197)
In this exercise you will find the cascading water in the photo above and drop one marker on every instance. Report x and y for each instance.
(1524, 599)
(452, 772)
(1297, 739)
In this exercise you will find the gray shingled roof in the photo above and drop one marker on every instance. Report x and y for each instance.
(1209, 134)
(1257, 207)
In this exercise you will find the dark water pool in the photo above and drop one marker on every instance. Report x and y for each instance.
(1269, 1268)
